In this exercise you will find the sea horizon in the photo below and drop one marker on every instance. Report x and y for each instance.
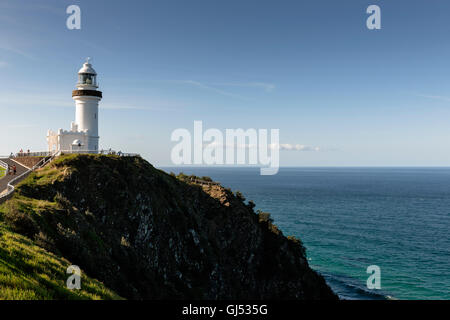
(281, 167)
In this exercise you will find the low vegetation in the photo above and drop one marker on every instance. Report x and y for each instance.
(29, 272)
(187, 178)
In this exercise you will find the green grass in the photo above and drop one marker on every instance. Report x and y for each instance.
(29, 272)
(2, 172)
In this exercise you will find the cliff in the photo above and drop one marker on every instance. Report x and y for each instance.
(145, 234)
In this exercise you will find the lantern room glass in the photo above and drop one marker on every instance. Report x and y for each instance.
(87, 79)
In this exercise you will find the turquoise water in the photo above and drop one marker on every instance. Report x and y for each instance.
(350, 218)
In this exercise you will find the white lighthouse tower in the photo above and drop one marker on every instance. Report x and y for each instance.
(83, 135)
(86, 101)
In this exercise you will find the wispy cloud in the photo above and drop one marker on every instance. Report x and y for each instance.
(285, 146)
(15, 50)
(213, 87)
(118, 102)
(19, 99)
(442, 98)
(147, 106)
(13, 5)
(297, 147)
(11, 99)
(206, 87)
(268, 87)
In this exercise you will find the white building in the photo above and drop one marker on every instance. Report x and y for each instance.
(83, 133)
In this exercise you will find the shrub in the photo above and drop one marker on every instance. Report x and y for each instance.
(240, 196)
(298, 243)
(19, 221)
(264, 217)
(181, 176)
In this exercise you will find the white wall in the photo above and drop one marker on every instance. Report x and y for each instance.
(86, 114)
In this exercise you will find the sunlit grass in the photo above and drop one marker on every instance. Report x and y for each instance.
(29, 272)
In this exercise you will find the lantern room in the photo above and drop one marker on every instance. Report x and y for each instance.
(87, 77)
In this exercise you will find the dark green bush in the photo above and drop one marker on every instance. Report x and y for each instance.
(264, 217)
(19, 221)
(240, 196)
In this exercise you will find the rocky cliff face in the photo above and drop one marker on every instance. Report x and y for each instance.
(148, 235)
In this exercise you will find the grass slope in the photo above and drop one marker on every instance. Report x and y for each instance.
(29, 272)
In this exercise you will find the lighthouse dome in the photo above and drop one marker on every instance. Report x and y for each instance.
(87, 68)
(87, 77)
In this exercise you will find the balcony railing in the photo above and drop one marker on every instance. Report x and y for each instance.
(49, 153)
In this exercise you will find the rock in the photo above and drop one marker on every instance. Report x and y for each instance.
(170, 239)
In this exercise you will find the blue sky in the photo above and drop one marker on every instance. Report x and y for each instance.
(309, 68)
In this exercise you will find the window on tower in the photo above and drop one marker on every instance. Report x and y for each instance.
(87, 78)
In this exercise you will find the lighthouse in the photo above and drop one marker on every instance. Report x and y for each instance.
(86, 99)
(83, 135)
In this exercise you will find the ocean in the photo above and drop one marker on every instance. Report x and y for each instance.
(351, 218)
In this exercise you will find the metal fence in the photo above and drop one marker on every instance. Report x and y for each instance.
(61, 152)
(101, 152)
(4, 165)
(33, 154)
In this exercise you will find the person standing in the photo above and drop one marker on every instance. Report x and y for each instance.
(14, 169)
